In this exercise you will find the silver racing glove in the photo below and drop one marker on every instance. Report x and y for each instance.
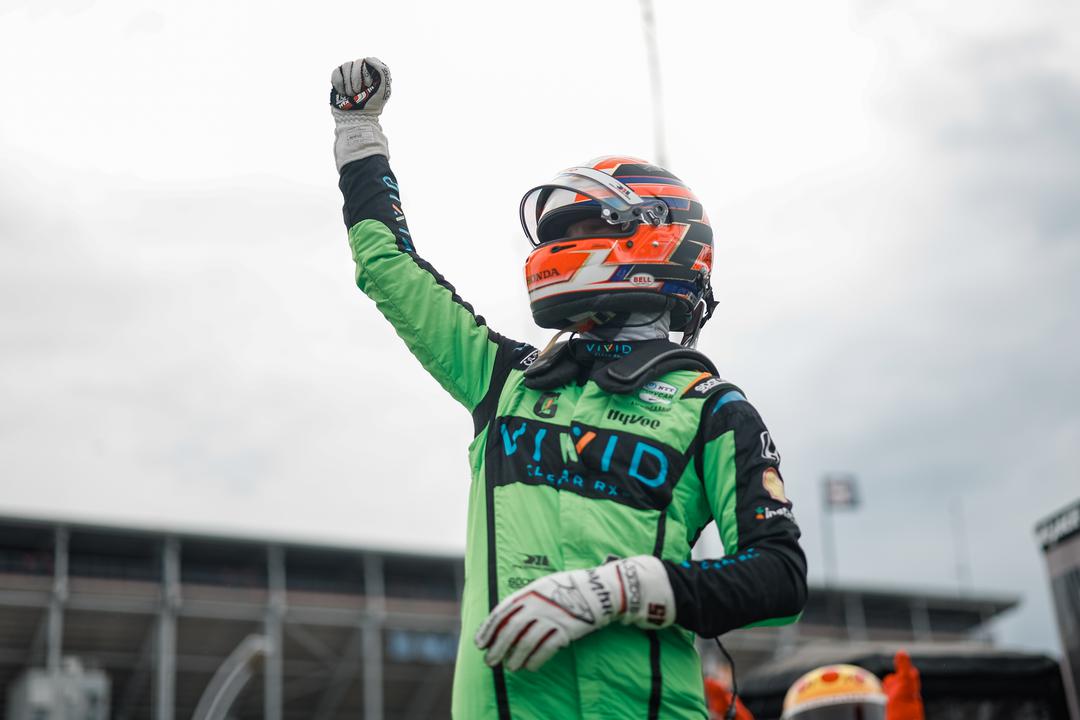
(360, 91)
(529, 626)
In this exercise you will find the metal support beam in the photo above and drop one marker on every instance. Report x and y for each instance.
(920, 621)
(138, 681)
(36, 657)
(315, 647)
(54, 635)
(789, 639)
(275, 611)
(342, 677)
(165, 663)
(375, 590)
(366, 642)
(854, 616)
(648, 22)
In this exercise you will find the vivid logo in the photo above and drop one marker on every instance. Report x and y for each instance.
(593, 462)
(607, 350)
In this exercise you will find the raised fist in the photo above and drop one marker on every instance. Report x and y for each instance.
(359, 93)
(360, 86)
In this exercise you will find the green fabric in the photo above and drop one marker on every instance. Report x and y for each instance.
(607, 674)
(442, 334)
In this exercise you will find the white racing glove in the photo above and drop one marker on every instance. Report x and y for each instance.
(527, 627)
(361, 89)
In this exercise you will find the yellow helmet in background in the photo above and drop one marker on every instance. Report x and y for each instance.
(835, 692)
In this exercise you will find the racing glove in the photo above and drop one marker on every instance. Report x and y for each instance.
(903, 690)
(527, 627)
(360, 91)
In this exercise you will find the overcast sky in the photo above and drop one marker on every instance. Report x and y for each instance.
(894, 188)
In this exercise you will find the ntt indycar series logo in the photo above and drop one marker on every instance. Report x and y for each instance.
(657, 393)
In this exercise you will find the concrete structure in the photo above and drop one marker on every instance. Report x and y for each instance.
(190, 625)
(1059, 536)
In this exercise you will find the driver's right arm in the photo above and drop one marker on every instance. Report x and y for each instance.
(451, 341)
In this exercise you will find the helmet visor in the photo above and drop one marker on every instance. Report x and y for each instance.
(616, 203)
(848, 711)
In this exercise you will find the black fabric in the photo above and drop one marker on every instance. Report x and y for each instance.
(502, 699)
(656, 676)
(371, 193)
(766, 575)
(509, 356)
(617, 367)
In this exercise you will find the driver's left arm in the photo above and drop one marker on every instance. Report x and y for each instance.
(761, 579)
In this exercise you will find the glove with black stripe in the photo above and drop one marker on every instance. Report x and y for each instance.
(530, 625)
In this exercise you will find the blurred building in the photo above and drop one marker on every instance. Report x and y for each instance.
(1059, 536)
(185, 625)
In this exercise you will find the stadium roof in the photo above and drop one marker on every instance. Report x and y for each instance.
(358, 630)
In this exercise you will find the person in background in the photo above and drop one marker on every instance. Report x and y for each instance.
(836, 692)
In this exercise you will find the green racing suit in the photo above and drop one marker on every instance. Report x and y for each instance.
(568, 477)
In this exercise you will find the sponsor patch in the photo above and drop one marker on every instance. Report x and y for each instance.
(538, 560)
(547, 405)
(657, 393)
(633, 419)
(642, 279)
(529, 359)
(768, 449)
(596, 463)
(705, 385)
(770, 480)
(767, 513)
(608, 350)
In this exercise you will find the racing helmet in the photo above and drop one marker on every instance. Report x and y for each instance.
(647, 250)
(835, 692)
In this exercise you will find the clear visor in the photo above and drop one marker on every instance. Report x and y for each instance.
(617, 203)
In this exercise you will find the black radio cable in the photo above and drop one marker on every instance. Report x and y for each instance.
(730, 714)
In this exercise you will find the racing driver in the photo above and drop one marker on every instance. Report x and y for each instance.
(596, 461)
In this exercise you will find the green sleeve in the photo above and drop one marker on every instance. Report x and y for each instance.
(439, 329)
(451, 341)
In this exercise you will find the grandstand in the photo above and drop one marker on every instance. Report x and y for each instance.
(188, 625)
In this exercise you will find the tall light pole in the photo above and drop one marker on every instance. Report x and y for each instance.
(648, 22)
(839, 493)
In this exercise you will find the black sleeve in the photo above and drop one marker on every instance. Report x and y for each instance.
(371, 193)
(761, 580)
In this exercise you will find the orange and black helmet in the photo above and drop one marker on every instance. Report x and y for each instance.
(647, 249)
